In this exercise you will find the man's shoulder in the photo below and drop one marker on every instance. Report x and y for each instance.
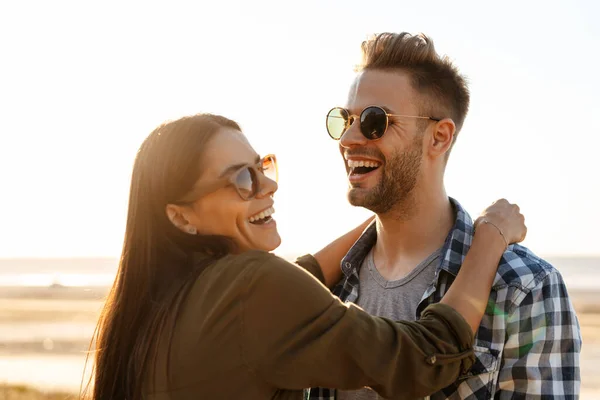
(522, 268)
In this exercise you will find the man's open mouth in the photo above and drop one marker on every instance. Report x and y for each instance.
(362, 167)
(262, 217)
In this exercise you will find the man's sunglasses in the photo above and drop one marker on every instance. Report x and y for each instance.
(373, 121)
(246, 180)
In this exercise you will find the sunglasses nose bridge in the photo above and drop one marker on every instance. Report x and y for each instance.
(350, 121)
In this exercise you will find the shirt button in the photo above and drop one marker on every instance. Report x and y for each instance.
(432, 360)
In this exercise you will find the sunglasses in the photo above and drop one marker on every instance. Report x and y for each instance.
(246, 180)
(373, 121)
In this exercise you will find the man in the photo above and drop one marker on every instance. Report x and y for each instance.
(404, 112)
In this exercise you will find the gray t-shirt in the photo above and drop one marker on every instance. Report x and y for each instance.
(397, 300)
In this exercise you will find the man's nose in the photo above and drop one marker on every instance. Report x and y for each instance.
(353, 136)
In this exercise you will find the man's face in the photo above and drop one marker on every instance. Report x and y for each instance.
(383, 173)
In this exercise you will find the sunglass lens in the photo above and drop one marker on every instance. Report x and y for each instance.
(246, 182)
(269, 167)
(373, 122)
(337, 121)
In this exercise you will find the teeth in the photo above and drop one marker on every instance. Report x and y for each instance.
(368, 164)
(263, 214)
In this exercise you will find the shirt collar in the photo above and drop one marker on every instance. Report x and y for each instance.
(458, 241)
(453, 252)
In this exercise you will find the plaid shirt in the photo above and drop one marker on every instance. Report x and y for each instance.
(528, 343)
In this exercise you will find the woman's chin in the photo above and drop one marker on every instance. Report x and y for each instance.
(271, 244)
(265, 242)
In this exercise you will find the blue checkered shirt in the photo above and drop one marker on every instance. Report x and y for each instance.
(528, 343)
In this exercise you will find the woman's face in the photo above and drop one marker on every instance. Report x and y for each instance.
(223, 211)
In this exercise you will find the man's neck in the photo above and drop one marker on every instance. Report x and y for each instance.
(412, 232)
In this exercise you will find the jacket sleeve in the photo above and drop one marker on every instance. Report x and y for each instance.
(295, 335)
(311, 265)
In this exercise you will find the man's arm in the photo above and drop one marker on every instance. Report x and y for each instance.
(541, 353)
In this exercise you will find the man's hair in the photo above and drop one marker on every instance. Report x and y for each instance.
(442, 89)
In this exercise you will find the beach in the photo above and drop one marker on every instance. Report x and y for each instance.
(45, 334)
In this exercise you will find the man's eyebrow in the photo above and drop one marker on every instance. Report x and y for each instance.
(235, 167)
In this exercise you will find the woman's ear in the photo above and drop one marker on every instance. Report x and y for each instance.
(177, 216)
(442, 138)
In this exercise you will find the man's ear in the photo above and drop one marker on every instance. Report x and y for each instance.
(442, 138)
(177, 216)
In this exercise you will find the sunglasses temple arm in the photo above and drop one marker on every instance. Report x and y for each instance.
(196, 193)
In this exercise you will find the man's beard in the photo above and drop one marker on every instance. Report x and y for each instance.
(394, 189)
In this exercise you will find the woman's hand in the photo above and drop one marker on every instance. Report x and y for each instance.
(506, 218)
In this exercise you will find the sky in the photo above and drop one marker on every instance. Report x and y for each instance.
(83, 83)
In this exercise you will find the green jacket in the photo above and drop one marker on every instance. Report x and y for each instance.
(255, 326)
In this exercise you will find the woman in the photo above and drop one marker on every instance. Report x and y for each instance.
(200, 309)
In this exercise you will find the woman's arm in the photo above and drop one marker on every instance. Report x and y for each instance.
(500, 224)
(470, 290)
(330, 256)
(296, 335)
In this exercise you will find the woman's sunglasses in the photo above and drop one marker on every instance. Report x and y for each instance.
(373, 121)
(246, 180)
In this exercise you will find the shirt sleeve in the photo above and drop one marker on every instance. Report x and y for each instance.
(541, 353)
(297, 335)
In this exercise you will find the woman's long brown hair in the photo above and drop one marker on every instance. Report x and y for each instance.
(156, 267)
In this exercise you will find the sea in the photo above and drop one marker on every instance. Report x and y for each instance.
(579, 272)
